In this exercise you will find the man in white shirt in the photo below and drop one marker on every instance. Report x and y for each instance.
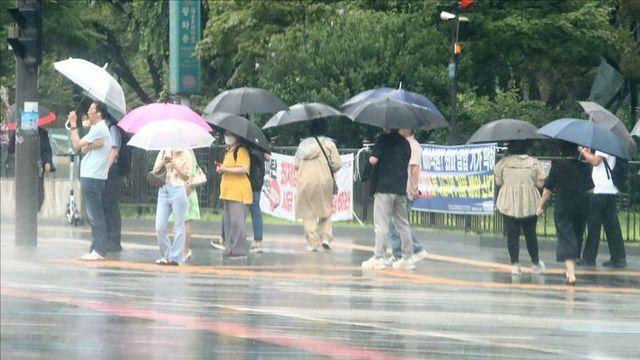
(603, 212)
(415, 164)
(94, 168)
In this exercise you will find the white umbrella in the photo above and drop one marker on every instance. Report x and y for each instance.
(96, 82)
(171, 134)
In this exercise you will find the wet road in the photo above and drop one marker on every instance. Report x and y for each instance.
(289, 304)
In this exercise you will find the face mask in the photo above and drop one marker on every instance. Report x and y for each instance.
(229, 139)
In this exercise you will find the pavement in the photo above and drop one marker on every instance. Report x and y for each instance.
(460, 303)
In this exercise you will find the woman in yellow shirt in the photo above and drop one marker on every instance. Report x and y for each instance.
(235, 191)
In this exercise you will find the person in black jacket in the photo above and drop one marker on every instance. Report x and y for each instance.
(390, 161)
(45, 163)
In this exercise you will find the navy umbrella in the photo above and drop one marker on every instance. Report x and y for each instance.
(395, 94)
(585, 133)
(393, 114)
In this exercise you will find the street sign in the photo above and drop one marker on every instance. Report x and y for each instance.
(29, 116)
(184, 35)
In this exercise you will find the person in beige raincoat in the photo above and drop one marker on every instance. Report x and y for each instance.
(314, 195)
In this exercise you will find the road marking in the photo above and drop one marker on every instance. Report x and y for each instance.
(500, 267)
(331, 349)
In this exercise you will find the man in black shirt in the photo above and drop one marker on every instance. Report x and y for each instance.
(390, 161)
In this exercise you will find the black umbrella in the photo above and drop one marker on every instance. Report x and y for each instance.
(245, 129)
(505, 130)
(245, 100)
(394, 114)
(585, 133)
(607, 120)
(303, 112)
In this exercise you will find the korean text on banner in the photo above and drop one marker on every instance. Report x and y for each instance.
(279, 189)
(457, 179)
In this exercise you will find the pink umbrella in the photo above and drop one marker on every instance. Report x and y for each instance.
(143, 115)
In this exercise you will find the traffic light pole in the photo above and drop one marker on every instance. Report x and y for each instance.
(453, 82)
(27, 144)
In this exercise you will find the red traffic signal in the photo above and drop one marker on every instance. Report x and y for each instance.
(465, 3)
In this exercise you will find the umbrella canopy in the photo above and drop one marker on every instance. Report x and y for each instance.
(96, 82)
(171, 134)
(46, 117)
(585, 133)
(636, 129)
(146, 114)
(394, 114)
(245, 100)
(505, 130)
(303, 112)
(607, 120)
(394, 94)
(242, 127)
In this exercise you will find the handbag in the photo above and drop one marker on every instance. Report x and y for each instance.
(335, 184)
(199, 177)
(157, 178)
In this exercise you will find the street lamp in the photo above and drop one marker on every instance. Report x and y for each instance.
(456, 49)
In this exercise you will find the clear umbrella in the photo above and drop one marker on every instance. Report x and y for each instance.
(96, 82)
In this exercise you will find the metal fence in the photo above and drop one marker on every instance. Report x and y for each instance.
(137, 192)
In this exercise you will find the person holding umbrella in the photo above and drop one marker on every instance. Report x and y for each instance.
(316, 161)
(570, 180)
(520, 177)
(172, 199)
(93, 174)
(236, 193)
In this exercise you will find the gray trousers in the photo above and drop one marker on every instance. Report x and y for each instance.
(388, 208)
(235, 233)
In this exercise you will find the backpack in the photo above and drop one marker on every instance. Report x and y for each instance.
(124, 153)
(256, 172)
(619, 173)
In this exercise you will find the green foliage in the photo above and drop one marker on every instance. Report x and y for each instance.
(339, 56)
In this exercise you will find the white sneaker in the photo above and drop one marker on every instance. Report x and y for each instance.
(404, 264)
(92, 256)
(419, 256)
(256, 247)
(217, 245)
(374, 263)
(312, 248)
(390, 260)
(326, 245)
(515, 269)
(539, 268)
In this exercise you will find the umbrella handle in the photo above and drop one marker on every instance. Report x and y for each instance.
(67, 125)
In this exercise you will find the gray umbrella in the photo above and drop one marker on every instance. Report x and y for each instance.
(606, 119)
(394, 114)
(245, 129)
(505, 130)
(636, 129)
(303, 112)
(245, 100)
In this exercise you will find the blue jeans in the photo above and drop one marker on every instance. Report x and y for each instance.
(92, 192)
(171, 199)
(256, 217)
(395, 238)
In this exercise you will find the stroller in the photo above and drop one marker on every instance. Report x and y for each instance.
(72, 214)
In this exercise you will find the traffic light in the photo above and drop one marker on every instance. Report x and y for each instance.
(457, 48)
(463, 4)
(26, 31)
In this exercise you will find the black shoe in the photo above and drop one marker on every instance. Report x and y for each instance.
(168, 262)
(586, 263)
(616, 264)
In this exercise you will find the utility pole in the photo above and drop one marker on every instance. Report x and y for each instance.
(25, 40)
